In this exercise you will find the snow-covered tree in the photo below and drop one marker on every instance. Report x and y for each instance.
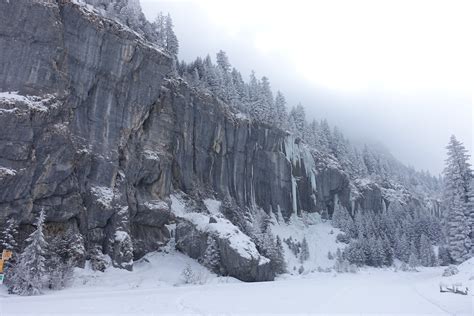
(8, 234)
(29, 273)
(223, 61)
(172, 45)
(377, 256)
(304, 255)
(413, 261)
(402, 248)
(458, 176)
(266, 101)
(427, 255)
(324, 137)
(159, 27)
(278, 260)
(298, 120)
(281, 112)
(388, 251)
(341, 218)
(211, 257)
(369, 160)
(59, 272)
(355, 254)
(443, 256)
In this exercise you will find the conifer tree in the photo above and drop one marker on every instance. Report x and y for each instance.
(172, 45)
(427, 255)
(304, 255)
(279, 258)
(458, 176)
(7, 236)
(211, 257)
(28, 275)
(281, 112)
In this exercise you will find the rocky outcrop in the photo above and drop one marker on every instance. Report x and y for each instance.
(237, 255)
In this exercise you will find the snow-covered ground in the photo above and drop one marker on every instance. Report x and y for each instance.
(320, 236)
(155, 287)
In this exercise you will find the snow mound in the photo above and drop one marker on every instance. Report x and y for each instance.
(157, 269)
(465, 274)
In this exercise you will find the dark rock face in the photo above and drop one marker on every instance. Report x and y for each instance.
(95, 84)
(104, 139)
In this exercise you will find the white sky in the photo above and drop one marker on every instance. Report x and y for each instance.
(398, 72)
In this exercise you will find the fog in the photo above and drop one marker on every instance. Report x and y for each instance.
(392, 72)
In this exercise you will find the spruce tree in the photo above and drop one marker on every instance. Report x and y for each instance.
(304, 255)
(223, 61)
(413, 260)
(211, 257)
(427, 255)
(278, 261)
(7, 236)
(281, 112)
(172, 45)
(29, 272)
(402, 248)
(458, 176)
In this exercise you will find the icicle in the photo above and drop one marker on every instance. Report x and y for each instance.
(293, 193)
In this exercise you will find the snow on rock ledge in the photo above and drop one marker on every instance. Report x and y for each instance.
(239, 256)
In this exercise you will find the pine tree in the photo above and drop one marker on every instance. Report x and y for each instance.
(443, 256)
(458, 176)
(171, 43)
(210, 75)
(281, 112)
(413, 261)
(130, 13)
(266, 101)
(402, 248)
(211, 257)
(304, 255)
(7, 236)
(427, 254)
(369, 160)
(223, 61)
(340, 217)
(325, 138)
(298, 117)
(388, 251)
(29, 272)
(355, 254)
(278, 262)
(159, 28)
(378, 253)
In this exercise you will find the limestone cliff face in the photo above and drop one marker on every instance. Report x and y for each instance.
(99, 133)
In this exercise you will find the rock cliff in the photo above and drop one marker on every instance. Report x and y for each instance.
(98, 131)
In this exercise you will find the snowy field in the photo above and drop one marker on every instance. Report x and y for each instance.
(156, 287)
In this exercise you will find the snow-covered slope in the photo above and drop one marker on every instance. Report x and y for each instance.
(319, 234)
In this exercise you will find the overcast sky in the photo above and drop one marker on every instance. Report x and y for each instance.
(395, 72)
